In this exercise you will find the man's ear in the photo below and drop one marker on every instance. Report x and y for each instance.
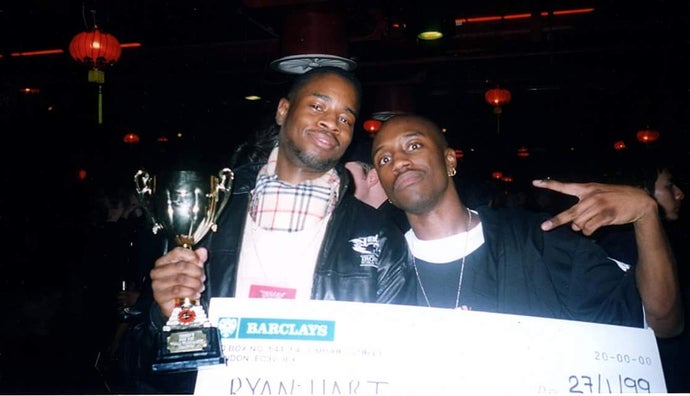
(372, 177)
(451, 161)
(281, 112)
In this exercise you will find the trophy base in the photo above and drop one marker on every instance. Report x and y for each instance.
(188, 349)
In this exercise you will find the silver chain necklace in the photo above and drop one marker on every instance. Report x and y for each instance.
(462, 265)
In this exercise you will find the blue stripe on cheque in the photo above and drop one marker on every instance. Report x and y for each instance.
(287, 329)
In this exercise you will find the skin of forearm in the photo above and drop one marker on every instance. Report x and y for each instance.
(657, 278)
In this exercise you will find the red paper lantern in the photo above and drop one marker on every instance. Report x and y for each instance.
(131, 138)
(647, 135)
(95, 48)
(459, 153)
(497, 97)
(619, 145)
(497, 174)
(372, 126)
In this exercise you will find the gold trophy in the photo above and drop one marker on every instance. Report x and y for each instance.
(185, 205)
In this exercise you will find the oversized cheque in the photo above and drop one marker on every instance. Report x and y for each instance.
(288, 347)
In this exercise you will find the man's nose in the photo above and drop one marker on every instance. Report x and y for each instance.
(679, 194)
(400, 162)
(329, 121)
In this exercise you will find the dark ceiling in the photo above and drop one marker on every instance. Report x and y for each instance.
(577, 81)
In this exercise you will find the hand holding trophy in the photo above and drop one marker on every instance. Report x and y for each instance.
(185, 205)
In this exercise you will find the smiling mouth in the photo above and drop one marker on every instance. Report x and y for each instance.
(324, 140)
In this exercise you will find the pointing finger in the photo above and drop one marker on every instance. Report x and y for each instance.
(574, 189)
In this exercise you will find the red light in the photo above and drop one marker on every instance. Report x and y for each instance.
(131, 138)
(372, 126)
(648, 136)
(523, 152)
(497, 97)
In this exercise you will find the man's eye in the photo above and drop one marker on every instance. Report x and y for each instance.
(384, 160)
(345, 121)
(414, 146)
(317, 106)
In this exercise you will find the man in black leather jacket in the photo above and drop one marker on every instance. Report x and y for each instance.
(516, 261)
(353, 253)
(344, 270)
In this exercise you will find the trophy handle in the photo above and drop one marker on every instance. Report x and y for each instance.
(217, 198)
(145, 185)
(223, 190)
(142, 181)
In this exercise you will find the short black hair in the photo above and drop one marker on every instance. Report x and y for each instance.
(259, 146)
(639, 168)
(303, 79)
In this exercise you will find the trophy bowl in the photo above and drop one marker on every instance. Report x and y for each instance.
(185, 205)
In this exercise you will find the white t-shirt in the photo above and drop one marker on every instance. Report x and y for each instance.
(278, 264)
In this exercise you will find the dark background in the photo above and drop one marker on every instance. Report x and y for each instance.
(579, 83)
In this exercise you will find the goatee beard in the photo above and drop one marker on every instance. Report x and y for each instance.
(311, 161)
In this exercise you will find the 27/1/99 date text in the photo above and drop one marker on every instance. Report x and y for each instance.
(603, 384)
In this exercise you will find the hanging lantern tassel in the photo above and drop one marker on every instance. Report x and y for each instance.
(100, 104)
(497, 111)
(98, 77)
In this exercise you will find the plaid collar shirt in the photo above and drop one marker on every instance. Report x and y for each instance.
(281, 206)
